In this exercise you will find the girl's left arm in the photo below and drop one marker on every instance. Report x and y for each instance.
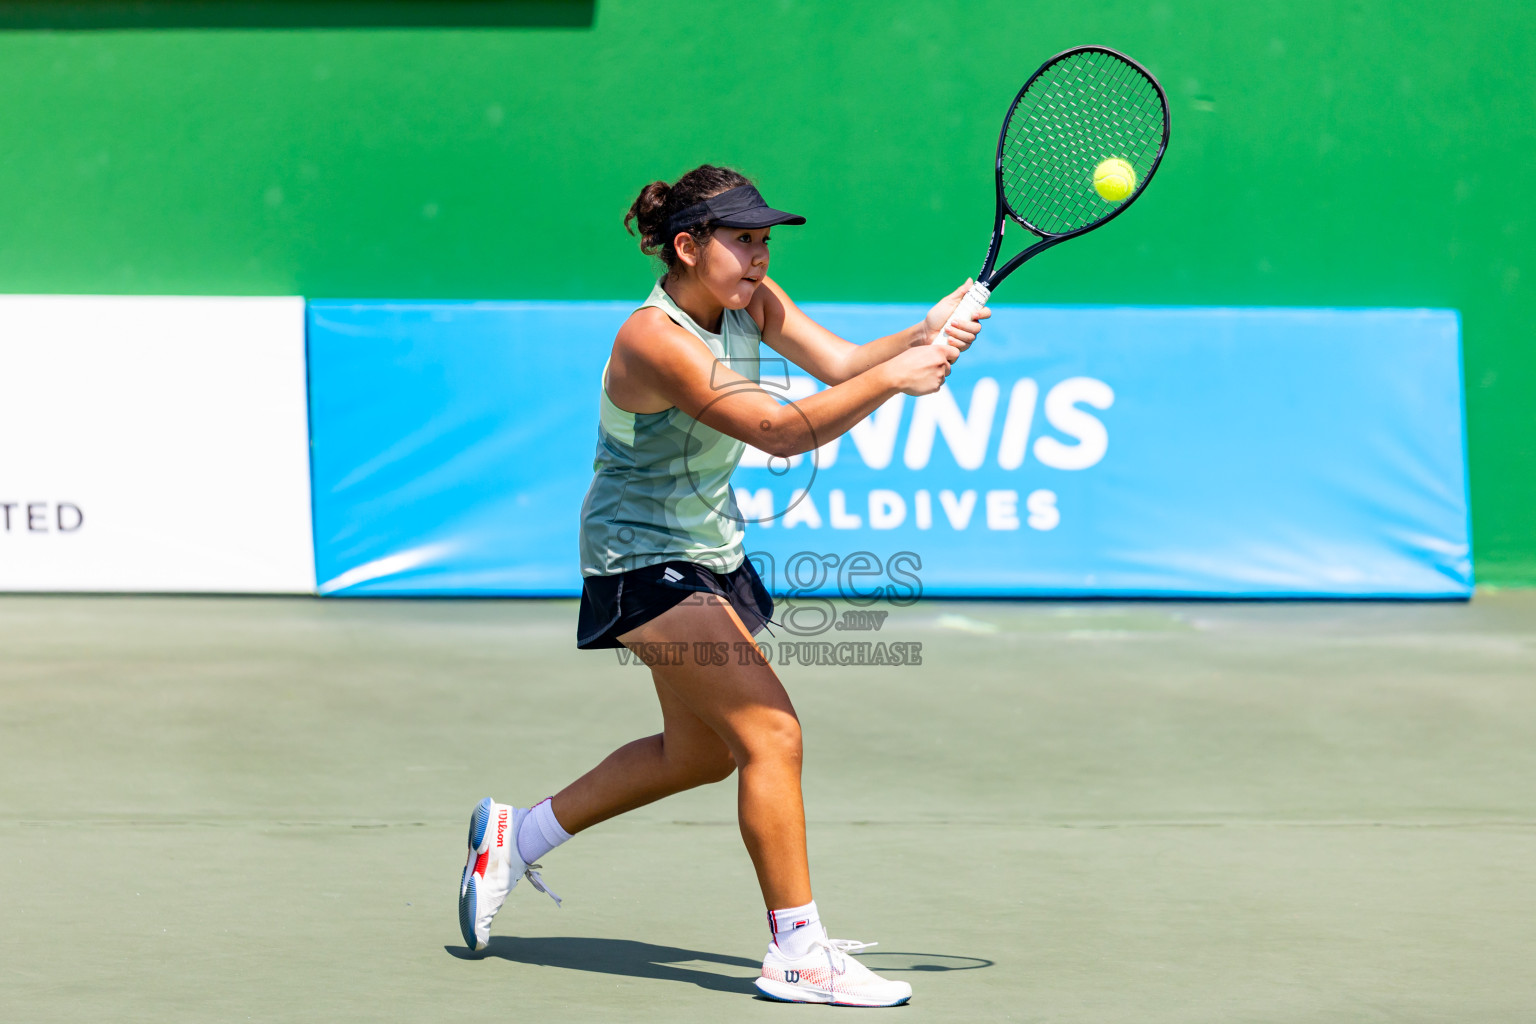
(832, 360)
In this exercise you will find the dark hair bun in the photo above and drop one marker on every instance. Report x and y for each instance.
(649, 212)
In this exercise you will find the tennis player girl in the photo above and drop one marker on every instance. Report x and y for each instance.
(663, 561)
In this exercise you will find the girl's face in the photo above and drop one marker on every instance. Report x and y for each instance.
(734, 264)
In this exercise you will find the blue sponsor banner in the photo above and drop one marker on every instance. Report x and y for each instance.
(1075, 451)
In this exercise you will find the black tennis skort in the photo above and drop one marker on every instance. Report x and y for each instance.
(613, 605)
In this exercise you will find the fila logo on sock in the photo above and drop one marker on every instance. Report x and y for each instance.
(671, 575)
(799, 924)
(501, 828)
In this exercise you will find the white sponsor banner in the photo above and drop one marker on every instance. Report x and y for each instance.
(154, 444)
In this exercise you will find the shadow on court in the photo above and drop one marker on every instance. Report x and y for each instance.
(633, 959)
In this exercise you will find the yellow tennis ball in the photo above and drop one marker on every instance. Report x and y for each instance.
(1114, 179)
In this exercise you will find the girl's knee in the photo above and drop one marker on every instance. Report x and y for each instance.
(717, 769)
(776, 739)
(700, 767)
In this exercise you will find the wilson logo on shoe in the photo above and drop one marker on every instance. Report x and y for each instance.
(792, 976)
(501, 829)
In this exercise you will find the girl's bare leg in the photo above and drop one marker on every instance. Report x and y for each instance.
(715, 717)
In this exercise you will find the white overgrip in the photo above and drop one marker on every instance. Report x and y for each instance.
(974, 301)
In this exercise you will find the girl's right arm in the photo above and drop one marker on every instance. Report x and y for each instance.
(656, 365)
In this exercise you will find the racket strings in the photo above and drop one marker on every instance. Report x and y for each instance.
(1081, 111)
(1075, 112)
(1083, 117)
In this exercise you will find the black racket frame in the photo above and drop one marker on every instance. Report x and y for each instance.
(991, 277)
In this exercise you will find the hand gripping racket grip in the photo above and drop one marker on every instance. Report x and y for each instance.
(975, 300)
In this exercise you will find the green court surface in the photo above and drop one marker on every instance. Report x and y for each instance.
(254, 809)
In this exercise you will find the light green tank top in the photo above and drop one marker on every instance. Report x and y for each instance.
(662, 485)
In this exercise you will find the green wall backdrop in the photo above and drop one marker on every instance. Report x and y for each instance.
(1325, 152)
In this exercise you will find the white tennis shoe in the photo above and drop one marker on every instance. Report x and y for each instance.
(492, 870)
(828, 974)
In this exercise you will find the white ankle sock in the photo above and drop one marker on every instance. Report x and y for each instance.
(796, 929)
(539, 833)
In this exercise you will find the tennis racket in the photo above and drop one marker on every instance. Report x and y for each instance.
(1080, 143)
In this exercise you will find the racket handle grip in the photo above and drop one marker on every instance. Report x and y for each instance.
(973, 302)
